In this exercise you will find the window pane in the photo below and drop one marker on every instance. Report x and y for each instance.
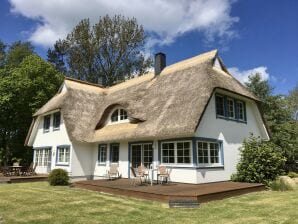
(46, 123)
(56, 120)
(114, 117)
(230, 107)
(123, 114)
(114, 153)
(219, 105)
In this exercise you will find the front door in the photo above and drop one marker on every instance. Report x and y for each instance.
(141, 153)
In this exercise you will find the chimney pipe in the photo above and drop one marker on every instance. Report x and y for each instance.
(159, 63)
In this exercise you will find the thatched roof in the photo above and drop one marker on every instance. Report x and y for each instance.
(168, 105)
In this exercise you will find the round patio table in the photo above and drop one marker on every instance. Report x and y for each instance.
(15, 170)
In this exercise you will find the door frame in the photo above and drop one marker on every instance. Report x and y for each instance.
(130, 151)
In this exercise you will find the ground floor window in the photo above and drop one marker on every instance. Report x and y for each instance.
(42, 157)
(63, 155)
(176, 152)
(114, 148)
(102, 154)
(209, 153)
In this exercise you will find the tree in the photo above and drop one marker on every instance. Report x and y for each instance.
(23, 89)
(260, 162)
(56, 56)
(108, 52)
(17, 52)
(276, 108)
(293, 101)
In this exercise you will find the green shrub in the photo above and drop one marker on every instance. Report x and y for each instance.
(282, 184)
(260, 162)
(58, 177)
(292, 174)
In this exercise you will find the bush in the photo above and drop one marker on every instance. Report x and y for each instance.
(58, 177)
(260, 162)
(292, 174)
(283, 183)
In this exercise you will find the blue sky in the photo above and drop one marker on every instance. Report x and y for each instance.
(254, 35)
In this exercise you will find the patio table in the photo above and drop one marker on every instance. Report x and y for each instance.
(15, 170)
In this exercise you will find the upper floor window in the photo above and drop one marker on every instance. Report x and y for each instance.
(230, 108)
(56, 121)
(46, 123)
(119, 115)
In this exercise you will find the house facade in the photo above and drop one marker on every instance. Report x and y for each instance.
(191, 117)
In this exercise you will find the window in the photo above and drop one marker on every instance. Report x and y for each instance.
(63, 155)
(209, 153)
(240, 110)
(119, 115)
(46, 123)
(43, 157)
(114, 153)
(102, 154)
(176, 152)
(230, 108)
(220, 105)
(56, 121)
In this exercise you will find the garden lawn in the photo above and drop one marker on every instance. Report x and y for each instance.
(40, 203)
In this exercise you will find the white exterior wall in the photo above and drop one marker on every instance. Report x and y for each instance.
(84, 156)
(231, 133)
(51, 139)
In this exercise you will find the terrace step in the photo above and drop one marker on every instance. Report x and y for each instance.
(183, 203)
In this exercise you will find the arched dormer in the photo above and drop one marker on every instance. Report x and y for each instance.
(118, 115)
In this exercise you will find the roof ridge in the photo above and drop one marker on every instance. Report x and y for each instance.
(188, 62)
(83, 82)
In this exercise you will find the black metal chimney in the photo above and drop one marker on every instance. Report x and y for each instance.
(159, 63)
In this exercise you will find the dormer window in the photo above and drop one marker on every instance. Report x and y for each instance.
(118, 116)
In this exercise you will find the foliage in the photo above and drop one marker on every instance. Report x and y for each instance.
(279, 116)
(293, 101)
(282, 184)
(58, 177)
(260, 162)
(108, 52)
(292, 174)
(24, 88)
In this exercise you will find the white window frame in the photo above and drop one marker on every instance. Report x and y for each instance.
(243, 110)
(63, 162)
(40, 158)
(220, 154)
(119, 121)
(175, 153)
(44, 121)
(228, 108)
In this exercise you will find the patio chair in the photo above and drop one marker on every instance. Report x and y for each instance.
(135, 177)
(163, 174)
(29, 171)
(113, 172)
(143, 172)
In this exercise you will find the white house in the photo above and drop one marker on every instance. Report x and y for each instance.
(191, 116)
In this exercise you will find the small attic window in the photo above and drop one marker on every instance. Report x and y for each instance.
(119, 115)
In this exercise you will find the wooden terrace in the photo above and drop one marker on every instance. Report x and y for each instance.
(171, 191)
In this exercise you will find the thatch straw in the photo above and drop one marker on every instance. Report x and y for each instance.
(168, 105)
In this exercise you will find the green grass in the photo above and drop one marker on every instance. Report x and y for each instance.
(40, 203)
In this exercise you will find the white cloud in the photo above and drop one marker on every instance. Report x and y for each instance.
(166, 19)
(242, 75)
